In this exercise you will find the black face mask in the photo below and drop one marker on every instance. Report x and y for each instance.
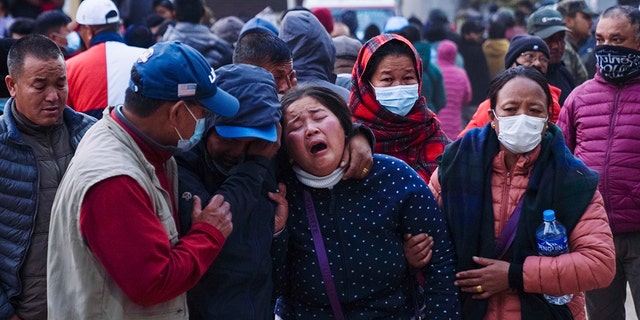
(617, 64)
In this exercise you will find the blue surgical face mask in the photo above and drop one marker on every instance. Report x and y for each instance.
(398, 99)
(73, 42)
(186, 145)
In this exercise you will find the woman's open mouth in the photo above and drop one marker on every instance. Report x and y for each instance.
(318, 147)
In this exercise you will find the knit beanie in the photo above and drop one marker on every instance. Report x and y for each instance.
(523, 43)
(325, 18)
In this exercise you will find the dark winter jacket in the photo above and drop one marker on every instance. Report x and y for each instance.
(19, 193)
(238, 284)
(559, 76)
(477, 69)
(362, 223)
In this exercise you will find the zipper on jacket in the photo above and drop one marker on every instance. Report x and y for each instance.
(607, 157)
(505, 200)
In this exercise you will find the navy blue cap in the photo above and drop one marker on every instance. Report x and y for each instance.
(174, 71)
(259, 109)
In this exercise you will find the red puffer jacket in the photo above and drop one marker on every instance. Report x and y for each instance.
(590, 265)
(600, 121)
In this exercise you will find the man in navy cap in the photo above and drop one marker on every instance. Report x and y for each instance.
(114, 250)
(235, 159)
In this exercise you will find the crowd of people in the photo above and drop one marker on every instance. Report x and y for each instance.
(169, 165)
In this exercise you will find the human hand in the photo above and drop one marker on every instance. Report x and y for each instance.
(264, 148)
(357, 157)
(418, 249)
(491, 278)
(216, 213)
(282, 208)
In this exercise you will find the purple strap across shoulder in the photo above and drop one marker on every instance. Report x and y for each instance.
(509, 231)
(323, 261)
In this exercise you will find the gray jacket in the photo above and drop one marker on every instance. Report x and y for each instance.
(314, 53)
(217, 51)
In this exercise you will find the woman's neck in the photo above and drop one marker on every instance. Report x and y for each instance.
(510, 159)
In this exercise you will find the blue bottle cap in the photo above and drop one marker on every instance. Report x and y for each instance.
(549, 215)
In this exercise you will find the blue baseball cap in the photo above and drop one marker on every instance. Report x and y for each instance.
(259, 105)
(174, 71)
(258, 23)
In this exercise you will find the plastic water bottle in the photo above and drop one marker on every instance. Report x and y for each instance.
(552, 241)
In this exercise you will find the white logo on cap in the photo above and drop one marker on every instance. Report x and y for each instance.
(212, 76)
(550, 19)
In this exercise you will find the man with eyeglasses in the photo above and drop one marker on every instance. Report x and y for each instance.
(524, 50)
(548, 24)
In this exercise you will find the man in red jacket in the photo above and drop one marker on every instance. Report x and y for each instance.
(600, 124)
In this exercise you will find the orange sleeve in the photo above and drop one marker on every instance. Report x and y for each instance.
(479, 119)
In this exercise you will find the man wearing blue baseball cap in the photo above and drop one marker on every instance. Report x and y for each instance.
(236, 160)
(114, 251)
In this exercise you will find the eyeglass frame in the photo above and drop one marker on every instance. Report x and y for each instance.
(531, 58)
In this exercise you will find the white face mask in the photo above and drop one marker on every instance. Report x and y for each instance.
(397, 99)
(521, 133)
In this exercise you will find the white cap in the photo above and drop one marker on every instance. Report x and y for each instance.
(97, 12)
(395, 24)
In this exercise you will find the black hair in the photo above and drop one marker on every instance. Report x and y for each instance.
(138, 35)
(633, 3)
(393, 47)
(153, 20)
(50, 21)
(415, 20)
(520, 71)
(631, 13)
(371, 31)
(326, 97)
(258, 47)
(22, 26)
(411, 32)
(137, 103)
(163, 3)
(350, 18)
(497, 30)
(472, 25)
(35, 45)
(526, 4)
(189, 10)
